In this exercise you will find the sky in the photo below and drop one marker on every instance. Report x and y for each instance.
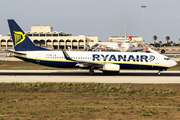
(102, 18)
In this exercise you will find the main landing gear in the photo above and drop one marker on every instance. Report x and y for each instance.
(159, 72)
(91, 71)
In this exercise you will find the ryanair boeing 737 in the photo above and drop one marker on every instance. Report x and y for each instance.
(107, 62)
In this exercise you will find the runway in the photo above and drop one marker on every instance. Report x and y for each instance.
(83, 76)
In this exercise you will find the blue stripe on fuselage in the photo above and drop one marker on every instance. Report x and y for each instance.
(58, 64)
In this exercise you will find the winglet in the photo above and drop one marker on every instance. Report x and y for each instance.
(130, 38)
(119, 45)
(66, 55)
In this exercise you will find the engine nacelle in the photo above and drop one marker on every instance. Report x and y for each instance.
(111, 68)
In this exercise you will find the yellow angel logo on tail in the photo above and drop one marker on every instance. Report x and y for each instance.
(19, 37)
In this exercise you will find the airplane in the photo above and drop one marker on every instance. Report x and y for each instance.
(125, 46)
(107, 62)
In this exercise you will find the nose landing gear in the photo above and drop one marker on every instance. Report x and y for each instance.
(161, 70)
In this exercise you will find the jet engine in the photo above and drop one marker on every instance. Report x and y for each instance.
(111, 68)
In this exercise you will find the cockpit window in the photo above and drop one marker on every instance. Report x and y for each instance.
(166, 58)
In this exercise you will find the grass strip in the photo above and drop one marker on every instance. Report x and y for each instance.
(90, 101)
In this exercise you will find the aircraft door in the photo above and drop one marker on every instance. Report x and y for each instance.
(157, 60)
(38, 58)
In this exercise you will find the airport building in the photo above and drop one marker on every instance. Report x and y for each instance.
(45, 37)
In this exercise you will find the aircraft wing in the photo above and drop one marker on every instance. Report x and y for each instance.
(89, 64)
(94, 46)
(15, 52)
(107, 48)
(114, 49)
(137, 49)
(82, 63)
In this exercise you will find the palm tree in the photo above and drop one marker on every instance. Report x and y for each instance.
(171, 43)
(167, 38)
(160, 42)
(155, 38)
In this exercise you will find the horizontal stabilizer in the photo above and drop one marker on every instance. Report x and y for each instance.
(15, 52)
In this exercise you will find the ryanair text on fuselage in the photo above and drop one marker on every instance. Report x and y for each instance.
(124, 58)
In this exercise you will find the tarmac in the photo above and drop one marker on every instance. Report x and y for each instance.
(82, 76)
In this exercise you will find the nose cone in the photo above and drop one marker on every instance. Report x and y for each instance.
(173, 63)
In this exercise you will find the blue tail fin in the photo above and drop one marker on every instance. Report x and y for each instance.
(20, 40)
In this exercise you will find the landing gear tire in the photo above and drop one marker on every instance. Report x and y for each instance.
(159, 72)
(91, 71)
(162, 51)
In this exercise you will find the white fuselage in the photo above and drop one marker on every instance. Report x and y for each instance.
(126, 60)
(126, 46)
